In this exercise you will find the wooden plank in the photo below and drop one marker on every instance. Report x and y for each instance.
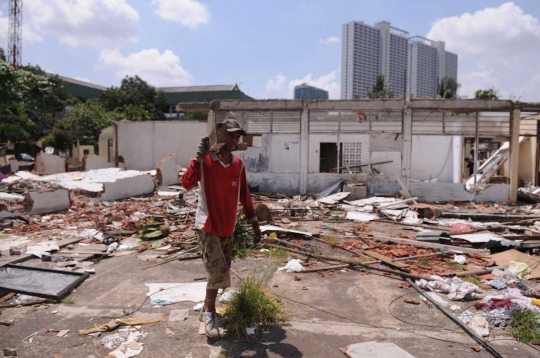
(434, 245)
(387, 260)
(404, 190)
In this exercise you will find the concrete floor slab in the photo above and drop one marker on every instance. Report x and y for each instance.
(343, 309)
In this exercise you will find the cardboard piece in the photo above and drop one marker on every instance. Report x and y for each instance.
(506, 258)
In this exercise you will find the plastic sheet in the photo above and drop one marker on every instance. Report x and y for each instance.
(293, 265)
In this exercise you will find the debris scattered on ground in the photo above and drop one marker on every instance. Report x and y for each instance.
(485, 254)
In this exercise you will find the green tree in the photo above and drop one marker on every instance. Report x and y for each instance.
(135, 92)
(195, 116)
(381, 89)
(490, 93)
(30, 99)
(447, 88)
(83, 122)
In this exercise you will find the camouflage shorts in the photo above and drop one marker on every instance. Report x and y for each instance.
(217, 257)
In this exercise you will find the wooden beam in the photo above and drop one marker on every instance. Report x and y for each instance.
(434, 245)
(387, 260)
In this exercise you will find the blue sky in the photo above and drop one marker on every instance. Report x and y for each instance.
(269, 46)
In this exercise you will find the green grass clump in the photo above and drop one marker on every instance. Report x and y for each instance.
(332, 241)
(68, 301)
(254, 304)
(243, 234)
(525, 326)
(472, 279)
(277, 254)
(454, 265)
(425, 262)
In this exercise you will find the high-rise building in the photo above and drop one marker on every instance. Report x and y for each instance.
(306, 92)
(410, 65)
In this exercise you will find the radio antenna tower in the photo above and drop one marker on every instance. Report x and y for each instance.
(15, 33)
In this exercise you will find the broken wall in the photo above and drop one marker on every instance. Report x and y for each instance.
(166, 170)
(96, 162)
(442, 192)
(106, 152)
(144, 144)
(47, 164)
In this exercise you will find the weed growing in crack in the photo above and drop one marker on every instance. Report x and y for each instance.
(525, 326)
(253, 305)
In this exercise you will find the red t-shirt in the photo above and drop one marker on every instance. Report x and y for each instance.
(221, 187)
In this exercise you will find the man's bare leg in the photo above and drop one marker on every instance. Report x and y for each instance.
(210, 300)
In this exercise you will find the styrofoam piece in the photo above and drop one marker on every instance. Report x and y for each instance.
(376, 349)
(478, 238)
(334, 198)
(272, 228)
(359, 216)
(177, 292)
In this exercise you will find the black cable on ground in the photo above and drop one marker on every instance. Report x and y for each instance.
(416, 324)
(142, 304)
(370, 325)
(471, 333)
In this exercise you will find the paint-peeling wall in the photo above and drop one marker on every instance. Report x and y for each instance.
(144, 144)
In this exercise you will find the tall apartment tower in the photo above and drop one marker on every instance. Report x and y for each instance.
(410, 68)
(428, 64)
(306, 92)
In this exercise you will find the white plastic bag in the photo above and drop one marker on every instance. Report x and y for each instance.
(227, 296)
(294, 265)
(460, 259)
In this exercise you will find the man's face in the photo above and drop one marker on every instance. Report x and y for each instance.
(233, 138)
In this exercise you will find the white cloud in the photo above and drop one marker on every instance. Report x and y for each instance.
(189, 13)
(157, 69)
(94, 23)
(328, 41)
(326, 82)
(275, 87)
(276, 84)
(497, 47)
(28, 34)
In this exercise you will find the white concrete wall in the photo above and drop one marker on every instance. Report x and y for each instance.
(432, 156)
(144, 144)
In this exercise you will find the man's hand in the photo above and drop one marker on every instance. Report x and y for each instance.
(203, 149)
(256, 231)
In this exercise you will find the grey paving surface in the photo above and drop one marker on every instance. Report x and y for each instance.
(308, 332)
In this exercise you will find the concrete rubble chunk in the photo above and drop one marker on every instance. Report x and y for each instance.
(47, 202)
(9, 352)
(47, 164)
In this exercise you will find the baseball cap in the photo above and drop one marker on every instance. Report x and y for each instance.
(233, 126)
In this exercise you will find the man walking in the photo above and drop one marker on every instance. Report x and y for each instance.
(221, 177)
